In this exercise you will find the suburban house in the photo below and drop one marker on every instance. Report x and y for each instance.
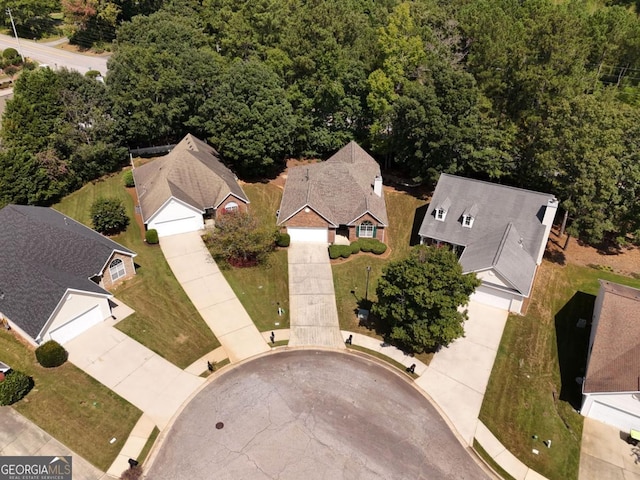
(54, 273)
(499, 232)
(611, 387)
(177, 193)
(341, 196)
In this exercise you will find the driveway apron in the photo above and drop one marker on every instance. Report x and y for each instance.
(140, 376)
(212, 296)
(457, 376)
(312, 300)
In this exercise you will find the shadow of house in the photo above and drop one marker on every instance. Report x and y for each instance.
(573, 344)
(418, 217)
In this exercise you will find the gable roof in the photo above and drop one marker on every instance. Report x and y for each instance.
(507, 230)
(614, 361)
(42, 254)
(340, 189)
(191, 172)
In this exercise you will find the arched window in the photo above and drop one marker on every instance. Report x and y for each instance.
(116, 269)
(366, 229)
(231, 207)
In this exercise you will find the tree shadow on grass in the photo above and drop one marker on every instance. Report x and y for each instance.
(418, 217)
(573, 345)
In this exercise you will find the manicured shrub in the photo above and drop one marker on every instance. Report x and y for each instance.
(372, 245)
(14, 387)
(51, 354)
(283, 240)
(355, 247)
(128, 179)
(151, 236)
(336, 251)
(10, 53)
(109, 216)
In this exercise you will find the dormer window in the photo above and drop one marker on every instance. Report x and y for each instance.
(469, 215)
(441, 210)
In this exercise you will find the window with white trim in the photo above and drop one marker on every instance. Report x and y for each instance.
(441, 214)
(231, 207)
(116, 269)
(467, 221)
(366, 229)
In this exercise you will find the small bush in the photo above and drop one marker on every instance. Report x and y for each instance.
(11, 70)
(29, 65)
(92, 74)
(379, 248)
(128, 179)
(133, 473)
(355, 247)
(283, 240)
(10, 53)
(151, 236)
(109, 216)
(336, 251)
(372, 245)
(51, 354)
(14, 387)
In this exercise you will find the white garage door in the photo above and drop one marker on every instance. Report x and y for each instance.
(75, 327)
(625, 421)
(308, 234)
(180, 225)
(493, 297)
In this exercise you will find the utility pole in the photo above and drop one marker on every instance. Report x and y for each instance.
(16, 34)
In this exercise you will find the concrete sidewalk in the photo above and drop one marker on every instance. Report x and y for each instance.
(212, 296)
(21, 437)
(312, 299)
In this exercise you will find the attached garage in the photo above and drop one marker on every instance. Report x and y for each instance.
(617, 417)
(309, 234)
(77, 325)
(175, 217)
(493, 297)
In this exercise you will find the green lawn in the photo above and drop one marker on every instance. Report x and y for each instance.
(165, 320)
(70, 405)
(350, 277)
(532, 389)
(260, 289)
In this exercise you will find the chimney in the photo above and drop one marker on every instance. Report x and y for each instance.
(547, 221)
(377, 185)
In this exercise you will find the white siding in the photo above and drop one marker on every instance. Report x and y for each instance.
(621, 410)
(176, 217)
(309, 234)
(73, 306)
(497, 298)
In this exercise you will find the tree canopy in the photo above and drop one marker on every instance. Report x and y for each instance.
(418, 298)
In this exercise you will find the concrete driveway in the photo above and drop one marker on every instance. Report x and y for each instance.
(605, 455)
(212, 296)
(19, 437)
(142, 377)
(312, 299)
(313, 415)
(457, 376)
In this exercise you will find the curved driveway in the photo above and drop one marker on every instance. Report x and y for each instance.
(312, 415)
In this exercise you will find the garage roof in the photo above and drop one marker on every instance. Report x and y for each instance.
(614, 361)
(42, 254)
(191, 172)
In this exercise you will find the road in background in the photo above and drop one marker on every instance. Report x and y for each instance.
(55, 57)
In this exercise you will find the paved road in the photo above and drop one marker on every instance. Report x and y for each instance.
(313, 415)
(55, 57)
(312, 299)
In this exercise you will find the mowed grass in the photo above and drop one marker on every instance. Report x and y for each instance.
(532, 389)
(261, 289)
(71, 406)
(165, 320)
(350, 277)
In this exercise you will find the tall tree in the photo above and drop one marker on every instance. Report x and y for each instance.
(419, 298)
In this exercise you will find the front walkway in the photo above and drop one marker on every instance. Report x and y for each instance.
(212, 296)
(19, 437)
(312, 300)
(457, 376)
(140, 376)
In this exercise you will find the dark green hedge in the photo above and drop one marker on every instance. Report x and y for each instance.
(14, 387)
(51, 354)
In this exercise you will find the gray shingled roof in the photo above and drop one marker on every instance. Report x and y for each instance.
(507, 229)
(42, 254)
(614, 362)
(191, 172)
(340, 189)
